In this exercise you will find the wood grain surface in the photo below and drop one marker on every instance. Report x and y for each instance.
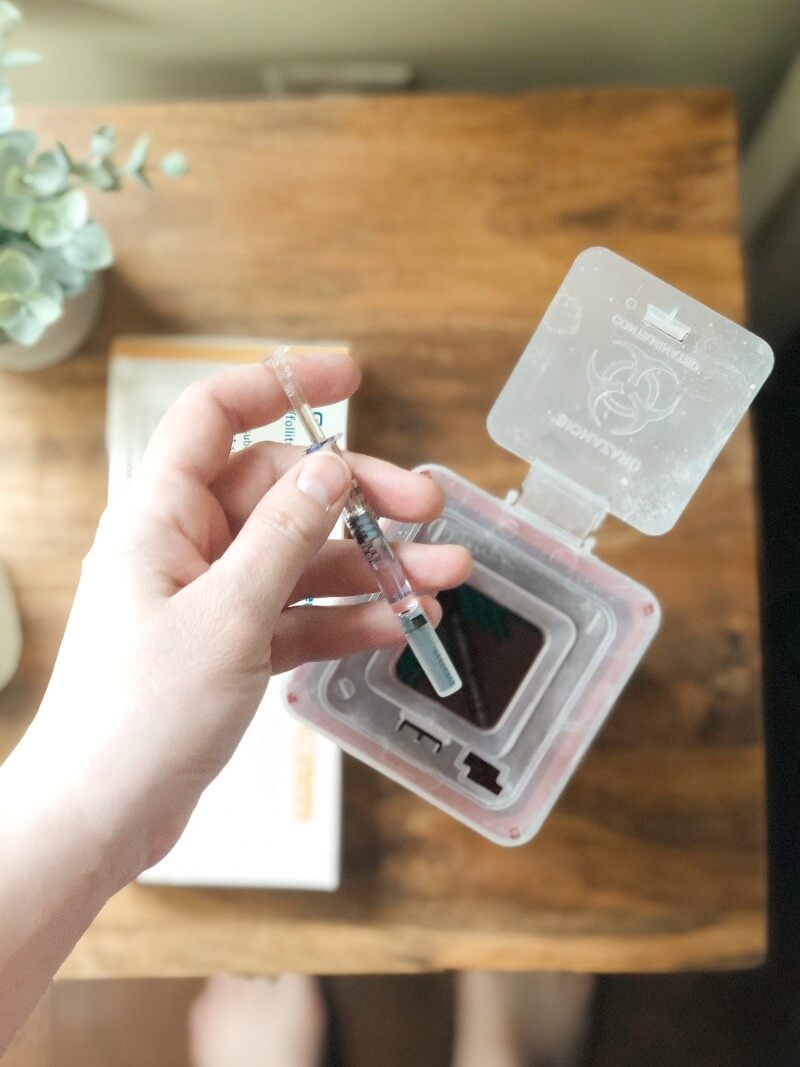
(432, 232)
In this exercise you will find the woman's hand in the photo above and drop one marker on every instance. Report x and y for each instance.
(184, 607)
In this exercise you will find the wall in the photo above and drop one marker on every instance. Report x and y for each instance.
(120, 49)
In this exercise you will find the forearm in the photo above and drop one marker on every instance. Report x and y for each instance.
(54, 878)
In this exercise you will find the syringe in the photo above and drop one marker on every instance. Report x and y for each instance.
(363, 524)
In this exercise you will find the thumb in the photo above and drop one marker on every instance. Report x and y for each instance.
(284, 532)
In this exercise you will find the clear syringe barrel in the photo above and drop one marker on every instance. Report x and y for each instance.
(363, 524)
(394, 585)
(387, 568)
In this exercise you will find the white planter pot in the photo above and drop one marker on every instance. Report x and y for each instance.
(60, 340)
(10, 630)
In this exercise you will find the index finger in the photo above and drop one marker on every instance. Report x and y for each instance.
(196, 433)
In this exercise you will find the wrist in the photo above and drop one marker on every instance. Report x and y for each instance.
(47, 812)
(56, 878)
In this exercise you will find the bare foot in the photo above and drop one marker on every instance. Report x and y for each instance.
(257, 1022)
(552, 1012)
(510, 1020)
(484, 1027)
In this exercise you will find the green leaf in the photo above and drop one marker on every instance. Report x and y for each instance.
(104, 141)
(44, 307)
(19, 58)
(57, 271)
(80, 283)
(90, 248)
(48, 287)
(19, 275)
(48, 226)
(73, 208)
(62, 148)
(174, 165)
(26, 329)
(49, 174)
(140, 177)
(15, 212)
(104, 177)
(138, 155)
(10, 307)
(54, 222)
(7, 117)
(23, 140)
(82, 171)
(10, 157)
(10, 17)
(15, 183)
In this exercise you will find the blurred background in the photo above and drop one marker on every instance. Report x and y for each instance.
(144, 48)
(141, 49)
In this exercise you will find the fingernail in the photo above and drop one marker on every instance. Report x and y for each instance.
(324, 477)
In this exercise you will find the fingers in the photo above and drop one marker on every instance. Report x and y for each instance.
(340, 569)
(283, 533)
(392, 491)
(195, 434)
(308, 633)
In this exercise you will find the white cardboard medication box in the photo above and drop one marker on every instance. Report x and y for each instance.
(272, 818)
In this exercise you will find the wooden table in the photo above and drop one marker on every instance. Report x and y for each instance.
(433, 231)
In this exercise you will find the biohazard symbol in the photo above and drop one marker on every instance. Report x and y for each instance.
(631, 391)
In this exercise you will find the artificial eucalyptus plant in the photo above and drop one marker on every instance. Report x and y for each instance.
(49, 246)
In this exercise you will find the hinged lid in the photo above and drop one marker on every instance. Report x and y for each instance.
(629, 389)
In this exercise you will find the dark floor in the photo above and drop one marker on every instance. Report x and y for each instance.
(735, 1020)
(376, 1021)
(721, 1020)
